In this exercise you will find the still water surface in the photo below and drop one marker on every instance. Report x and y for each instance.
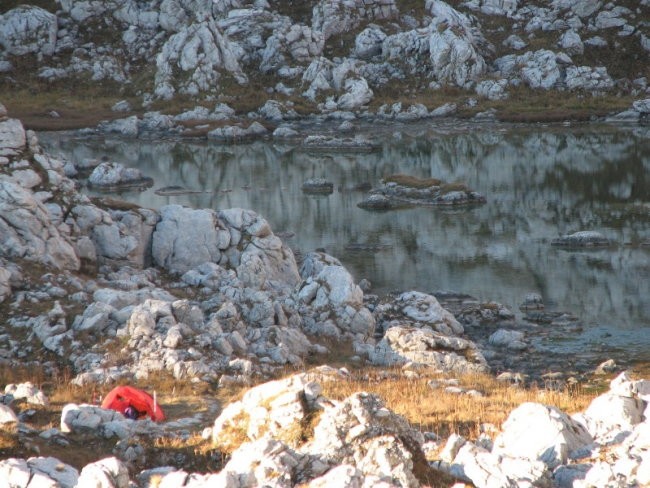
(540, 182)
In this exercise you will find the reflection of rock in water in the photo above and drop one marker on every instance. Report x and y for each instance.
(361, 247)
(582, 239)
(175, 190)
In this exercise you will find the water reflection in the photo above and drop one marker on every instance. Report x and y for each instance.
(540, 182)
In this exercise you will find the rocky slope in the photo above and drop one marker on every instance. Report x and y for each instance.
(327, 56)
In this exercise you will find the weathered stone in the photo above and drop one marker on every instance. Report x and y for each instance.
(538, 432)
(28, 29)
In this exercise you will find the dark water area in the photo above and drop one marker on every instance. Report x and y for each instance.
(540, 182)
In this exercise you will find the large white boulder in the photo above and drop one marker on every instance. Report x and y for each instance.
(424, 346)
(7, 415)
(185, 238)
(28, 29)
(12, 137)
(487, 470)
(611, 416)
(27, 391)
(27, 230)
(426, 309)
(357, 93)
(538, 432)
(361, 431)
(105, 473)
(273, 409)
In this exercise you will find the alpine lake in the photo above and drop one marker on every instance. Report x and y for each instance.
(540, 182)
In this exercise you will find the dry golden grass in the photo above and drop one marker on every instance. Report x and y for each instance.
(233, 435)
(434, 410)
(412, 181)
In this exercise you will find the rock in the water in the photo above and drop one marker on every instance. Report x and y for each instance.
(582, 239)
(110, 176)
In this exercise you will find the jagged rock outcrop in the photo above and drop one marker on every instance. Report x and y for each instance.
(200, 51)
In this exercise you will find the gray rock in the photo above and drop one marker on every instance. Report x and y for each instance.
(27, 230)
(588, 78)
(191, 60)
(642, 106)
(434, 350)
(538, 432)
(515, 42)
(510, 339)
(368, 42)
(360, 430)
(607, 19)
(492, 89)
(235, 133)
(115, 175)
(106, 473)
(5, 284)
(571, 42)
(12, 137)
(27, 391)
(7, 415)
(185, 238)
(121, 106)
(28, 29)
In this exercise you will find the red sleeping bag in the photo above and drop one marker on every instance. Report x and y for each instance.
(133, 403)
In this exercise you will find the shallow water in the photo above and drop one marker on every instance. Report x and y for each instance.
(540, 182)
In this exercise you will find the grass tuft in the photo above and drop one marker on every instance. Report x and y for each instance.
(412, 181)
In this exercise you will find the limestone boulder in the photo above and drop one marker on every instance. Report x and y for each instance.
(425, 347)
(7, 415)
(28, 392)
(357, 93)
(611, 416)
(362, 432)
(485, 469)
(540, 433)
(12, 137)
(111, 176)
(271, 410)
(27, 230)
(425, 310)
(105, 473)
(28, 29)
(185, 238)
